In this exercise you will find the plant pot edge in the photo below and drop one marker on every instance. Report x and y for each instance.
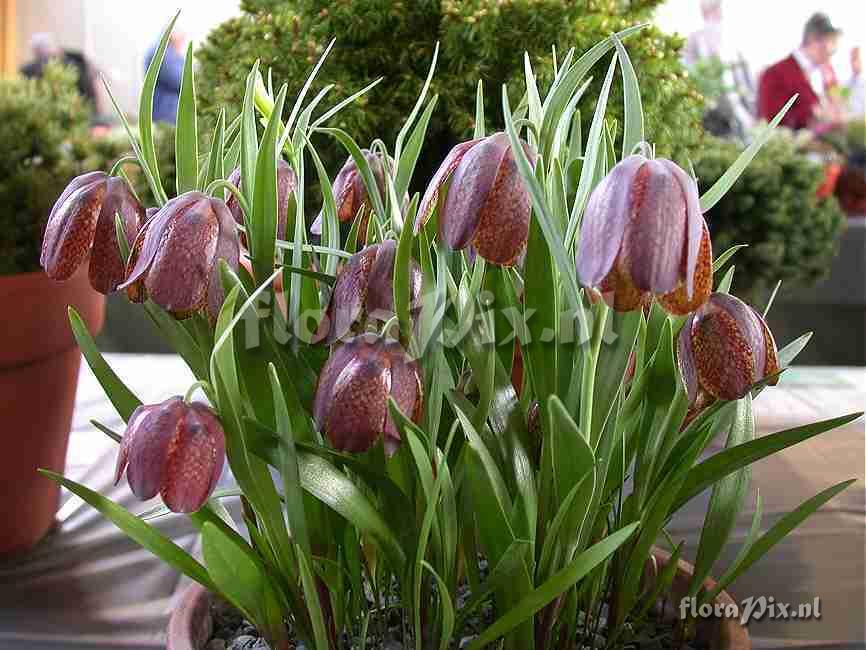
(190, 624)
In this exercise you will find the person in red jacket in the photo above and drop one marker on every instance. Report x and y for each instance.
(804, 72)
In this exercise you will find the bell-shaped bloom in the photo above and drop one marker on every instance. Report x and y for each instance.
(173, 449)
(487, 204)
(287, 182)
(724, 348)
(82, 225)
(365, 290)
(643, 235)
(351, 402)
(175, 258)
(350, 193)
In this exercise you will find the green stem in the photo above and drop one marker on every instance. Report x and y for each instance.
(201, 383)
(122, 161)
(220, 184)
(590, 360)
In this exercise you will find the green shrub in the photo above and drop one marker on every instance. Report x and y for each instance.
(774, 206)
(479, 39)
(39, 121)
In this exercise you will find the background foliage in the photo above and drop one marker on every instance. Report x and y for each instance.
(792, 234)
(480, 39)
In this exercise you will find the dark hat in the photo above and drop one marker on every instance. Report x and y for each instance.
(820, 25)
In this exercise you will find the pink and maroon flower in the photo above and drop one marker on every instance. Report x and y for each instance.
(724, 348)
(287, 182)
(365, 290)
(351, 402)
(82, 225)
(643, 235)
(175, 258)
(486, 204)
(173, 449)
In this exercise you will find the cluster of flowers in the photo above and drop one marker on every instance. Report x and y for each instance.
(643, 237)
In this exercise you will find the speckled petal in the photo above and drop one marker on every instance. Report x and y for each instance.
(503, 224)
(605, 220)
(695, 224)
(228, 249)
(195, 455)
(380, 283)
(356, 416)
(232, 202)
(106, 268)
(151, 437)
(725, 340)
(338, 359)
(133, 427)
(771, 353)
(71, 226)
(654, 244)
(179, 275)
(619, 292)
(677, 302)
(348, 296)
(407, 391)
(470, 186)
(431, 194)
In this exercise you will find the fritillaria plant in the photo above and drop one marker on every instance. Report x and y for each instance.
(379, 456)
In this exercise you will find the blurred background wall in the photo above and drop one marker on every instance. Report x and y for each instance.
(113, 36)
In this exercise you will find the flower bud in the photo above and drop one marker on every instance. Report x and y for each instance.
(724, 348)
(175, 258)
(486, 205)
(350, 193)
(286, 184)
(365, 290)
(643, 234)
(351, 402)
(82, 224)
(174, 449)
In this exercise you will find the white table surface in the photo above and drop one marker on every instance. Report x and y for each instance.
(90, 587)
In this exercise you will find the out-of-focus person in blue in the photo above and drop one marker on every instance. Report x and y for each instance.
(167, 92)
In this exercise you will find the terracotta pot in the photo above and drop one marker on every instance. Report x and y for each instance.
(191, 623)
(39, 363)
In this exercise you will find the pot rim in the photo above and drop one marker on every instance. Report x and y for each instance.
(191, 624)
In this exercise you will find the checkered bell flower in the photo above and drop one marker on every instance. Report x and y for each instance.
(173, 449)
(351, 402)
(643, 235)
(82, 227)
(724, 348)
(287, 183)
(486, 204)
(174, 261)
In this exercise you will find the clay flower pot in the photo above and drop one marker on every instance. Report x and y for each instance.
(191, 623)
(39, 363)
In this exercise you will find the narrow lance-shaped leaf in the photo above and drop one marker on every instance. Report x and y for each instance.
(186, 134)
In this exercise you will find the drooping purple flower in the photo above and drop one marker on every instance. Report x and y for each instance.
(365, 290)
(173, 449)
(643, 235)
(350, 193)
(174, 261)
(287, 182)
(486, 205)
(351, 402)
(82, 225)
(724, 348)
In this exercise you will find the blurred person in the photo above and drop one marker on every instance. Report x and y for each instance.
(44, 49)
(706, 43)
(808, 72)
(167, 92)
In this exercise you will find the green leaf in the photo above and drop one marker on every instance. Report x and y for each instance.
(137, 530)
(780, 530)
(540, 314)
(721, 186)
(314, 606)
(793, 349)
(337, 491)
(123, 399)
(217, 150)
(262, 224)
(558, 584)
(724, 462)
(398, 145)
(728, 254)
(726, 500)
(249, 142)
(479, 112)
(145, 113)
(633, 127)
(186, 134)
(447, 608)
(409, 157)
